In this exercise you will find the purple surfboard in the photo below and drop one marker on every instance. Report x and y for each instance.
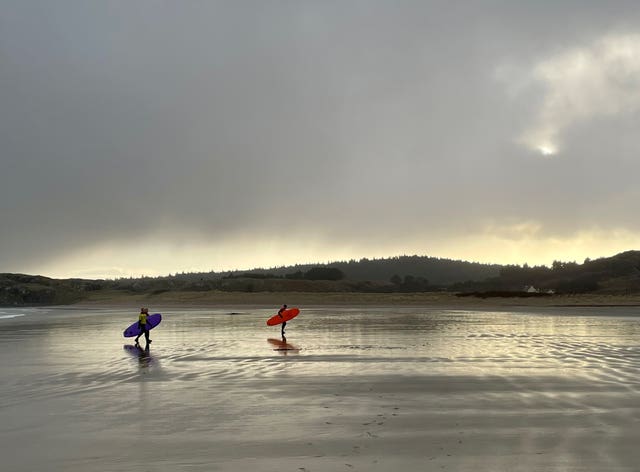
(152, 321)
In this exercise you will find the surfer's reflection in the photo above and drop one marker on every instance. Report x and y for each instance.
(282, 346)
(143, 355)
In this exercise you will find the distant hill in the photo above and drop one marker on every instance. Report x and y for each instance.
(619, 274)
(403, 273)
(437, 271)
(22, 289)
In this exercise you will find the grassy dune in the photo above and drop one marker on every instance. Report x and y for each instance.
(218, 298)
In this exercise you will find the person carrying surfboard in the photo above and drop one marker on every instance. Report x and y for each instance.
(142, 324)
(284, 314)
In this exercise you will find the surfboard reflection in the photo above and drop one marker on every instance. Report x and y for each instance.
(282, 346)
(143, 355)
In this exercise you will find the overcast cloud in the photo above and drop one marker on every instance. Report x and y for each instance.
(160, 136)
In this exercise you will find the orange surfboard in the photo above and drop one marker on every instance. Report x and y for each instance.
(286, 315)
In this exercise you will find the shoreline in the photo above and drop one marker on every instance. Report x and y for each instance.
(427, 299)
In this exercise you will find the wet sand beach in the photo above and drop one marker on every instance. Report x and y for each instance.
(351, 388)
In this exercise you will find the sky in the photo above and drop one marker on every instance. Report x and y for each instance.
(154, 137)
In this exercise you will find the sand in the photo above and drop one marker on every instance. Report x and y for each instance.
(351, 388)
(181, 299)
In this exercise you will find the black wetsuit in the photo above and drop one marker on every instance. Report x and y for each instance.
(284, 323)
(143, 329)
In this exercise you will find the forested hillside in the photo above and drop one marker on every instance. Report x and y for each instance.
(437, 271)
(619, 274)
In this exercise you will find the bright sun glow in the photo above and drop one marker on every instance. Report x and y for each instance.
(596, 80)
(547, 149)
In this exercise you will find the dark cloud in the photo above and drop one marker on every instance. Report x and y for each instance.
(351, 120)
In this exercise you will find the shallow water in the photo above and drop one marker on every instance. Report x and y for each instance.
(351, 388)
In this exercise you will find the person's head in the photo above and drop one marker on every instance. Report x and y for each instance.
(144, 310)
(285, 305)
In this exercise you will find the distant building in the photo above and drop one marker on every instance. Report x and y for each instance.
(531, 289)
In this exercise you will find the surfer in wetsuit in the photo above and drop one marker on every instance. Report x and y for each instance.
(284, 323)
(142, 324)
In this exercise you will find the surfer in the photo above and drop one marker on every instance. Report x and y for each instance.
(284, 323)
(142, 324)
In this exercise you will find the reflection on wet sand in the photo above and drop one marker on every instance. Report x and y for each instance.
(143, 354)
(282, 345)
